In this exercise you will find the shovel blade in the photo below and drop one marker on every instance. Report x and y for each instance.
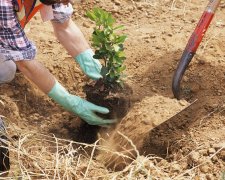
(178, 119)
(161, 137)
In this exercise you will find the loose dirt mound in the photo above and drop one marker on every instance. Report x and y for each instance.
(136, 126)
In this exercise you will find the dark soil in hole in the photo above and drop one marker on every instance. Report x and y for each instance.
(83, 133)
(87, 133)
(116, 99)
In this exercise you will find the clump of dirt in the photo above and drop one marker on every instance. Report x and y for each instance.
(115, 97)
(136, 126)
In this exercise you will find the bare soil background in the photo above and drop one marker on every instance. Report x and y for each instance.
(157, 34)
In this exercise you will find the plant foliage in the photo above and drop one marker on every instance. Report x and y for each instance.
(108, 45)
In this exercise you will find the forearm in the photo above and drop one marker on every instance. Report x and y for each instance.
(38, 74)
(70, 37)
(46, 82)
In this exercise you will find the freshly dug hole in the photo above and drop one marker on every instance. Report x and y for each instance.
(135, 128)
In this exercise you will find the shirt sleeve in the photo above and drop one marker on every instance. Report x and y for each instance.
(14, 45)
(61, 12)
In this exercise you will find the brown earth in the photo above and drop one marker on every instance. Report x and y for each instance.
(157, 34)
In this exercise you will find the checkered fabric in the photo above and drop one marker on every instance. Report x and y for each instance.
(61, 12)
(14, 44)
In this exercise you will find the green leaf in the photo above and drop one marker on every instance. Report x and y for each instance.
(112, 74)
(117, 60)
(116, 47)
(110, 20)
(108, 45)
(121, 69)
(118, 27)
(112, 37)
(121, 54)
(107, 31)
(121, 39)
(91, 15)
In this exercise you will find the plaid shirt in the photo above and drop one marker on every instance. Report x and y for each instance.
(14, 44)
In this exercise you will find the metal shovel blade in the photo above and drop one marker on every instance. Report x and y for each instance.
(178, 119)
(167, 131)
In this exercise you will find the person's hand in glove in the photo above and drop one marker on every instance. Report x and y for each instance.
(90, 66)
(82, 108)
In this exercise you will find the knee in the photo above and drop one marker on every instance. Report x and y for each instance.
(7, 71)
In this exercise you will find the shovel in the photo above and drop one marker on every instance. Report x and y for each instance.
(193, 44)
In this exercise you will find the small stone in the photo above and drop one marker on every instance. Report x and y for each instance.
(211, 151)
(209, 177)
(154, 89)
(201, 62)
(115, 9)
(153, 36)
(222, 155)
(204, 152)
(204, 168)
(214, 159)
(50, 69)
(220, 145)
(139, 7)
(192, 20)
(117, 2)
(193, 158)
(130, 8)
(219, 92)
(146, 122)
(163, 163)
(176, 168)
(183, 103)
(184, 165)
(85, 24)
(197, 178)
(35, 118)
(185, 79)
(155, 123)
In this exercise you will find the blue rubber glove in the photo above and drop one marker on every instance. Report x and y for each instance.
(82, 108)
(90, 66)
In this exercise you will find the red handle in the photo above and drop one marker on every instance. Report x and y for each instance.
(199, 32)
(202, 26)
(193, 44)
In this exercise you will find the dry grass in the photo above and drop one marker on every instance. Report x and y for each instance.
(39, 156)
